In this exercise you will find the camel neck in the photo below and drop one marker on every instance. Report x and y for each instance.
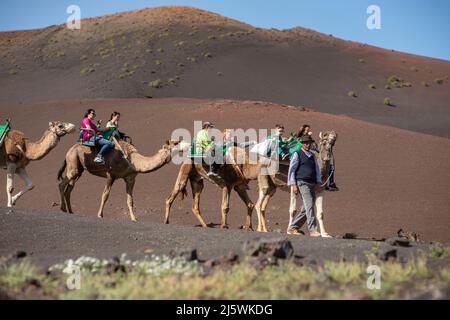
(38, 150)
(144, 164)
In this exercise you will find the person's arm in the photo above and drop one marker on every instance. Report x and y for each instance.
(318, 174)
(293, 167)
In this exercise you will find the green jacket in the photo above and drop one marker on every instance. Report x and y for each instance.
(289, 146)
(203, 141)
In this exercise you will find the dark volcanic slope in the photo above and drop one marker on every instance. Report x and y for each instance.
(199, 54)
(389, 178)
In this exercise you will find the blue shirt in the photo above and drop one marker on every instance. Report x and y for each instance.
(293, 166)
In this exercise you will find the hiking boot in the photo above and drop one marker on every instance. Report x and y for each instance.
(99, 160)
(315, 234)
(332, 188)
(294, 232)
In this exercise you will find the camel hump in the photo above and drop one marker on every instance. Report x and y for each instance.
(15, 143)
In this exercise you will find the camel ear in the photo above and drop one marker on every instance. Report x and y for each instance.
(51, 124)
(168, 142)
(320, 135)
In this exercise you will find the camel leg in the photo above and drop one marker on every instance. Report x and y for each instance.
(105, 195)
(242, 192)
(264, 205)
(62, 190)
(225, 206)
(266, 190)
(11, 170)
(197, 188)
(260, 214)
(292, 208)
(28, 185)
(319, 213)
(130, 201)
(180, 186)
(68, 193)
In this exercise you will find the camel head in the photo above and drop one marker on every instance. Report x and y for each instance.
(176, 146)
(61, 128)
(326, 144)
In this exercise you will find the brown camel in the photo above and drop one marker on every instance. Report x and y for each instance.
(17, 152)
(237, 176)
(232, 176)
(80, 158)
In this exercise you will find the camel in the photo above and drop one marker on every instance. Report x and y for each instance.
(233, 176)
(17, 152)
(117, 166)
(236, 177)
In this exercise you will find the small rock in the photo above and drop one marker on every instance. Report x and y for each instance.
(400, 242)
(188, 254)
(20, 254)
(33, 282)
(277, 248)
(387, 254)
(210, 263)
(412, 236)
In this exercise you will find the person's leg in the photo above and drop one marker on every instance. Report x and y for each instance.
(308, 196)
(105, 146)
(213, 167)
(297, 219)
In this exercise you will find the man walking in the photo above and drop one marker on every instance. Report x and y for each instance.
(303, 176)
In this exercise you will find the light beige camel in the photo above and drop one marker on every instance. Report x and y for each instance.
(236, 177)
(17, 152)
(80, 158)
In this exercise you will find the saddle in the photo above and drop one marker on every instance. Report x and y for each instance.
(4, 128)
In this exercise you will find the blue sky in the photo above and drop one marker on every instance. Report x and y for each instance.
(416, 26)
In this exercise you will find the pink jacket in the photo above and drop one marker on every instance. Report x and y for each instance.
(86, 134)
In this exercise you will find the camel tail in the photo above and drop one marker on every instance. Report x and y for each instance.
(61, 170)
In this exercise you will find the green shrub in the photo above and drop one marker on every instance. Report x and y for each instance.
(207, 55)
(425, 84)
(439, 81)
(362, 61)
(437, 250)
(172, 82)
(388, 102)
(87, 70)
(155, 83)
(415, 69)
(160, 50)
(372, 86)
(387, 87)
(397, 82)
(158, 62)
(352, 94)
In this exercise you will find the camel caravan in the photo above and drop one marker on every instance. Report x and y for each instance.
(296, 164)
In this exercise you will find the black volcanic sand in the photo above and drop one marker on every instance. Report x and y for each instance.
(50, 238)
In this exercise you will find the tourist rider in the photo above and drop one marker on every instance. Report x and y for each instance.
(206, 146)
(91, 132)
